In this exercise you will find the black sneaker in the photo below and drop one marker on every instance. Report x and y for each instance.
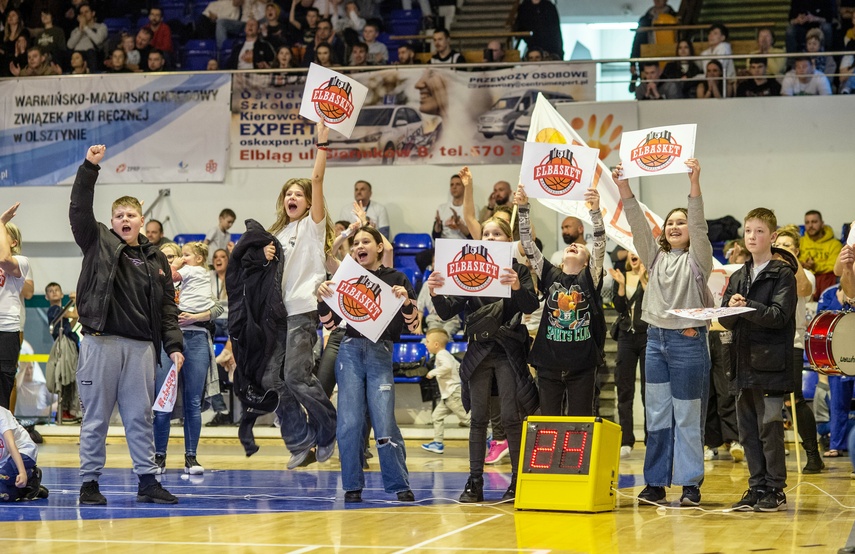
(191, 466)
(406, 496)
(160, 462)
(773, 501)
(34, 435)
(43, 492)
(219, 420)
(750, 498)
(352, 496)
(691, 496)
(511, 493)
(814, 463)
(155, 493)
(474, 490)
(651, 495)
(31, 489)
(251, 449)
(90, 494)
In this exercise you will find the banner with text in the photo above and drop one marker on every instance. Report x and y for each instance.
(564, 172)
(472, 267)
(410, 116)
(157, 129)
(657, 151)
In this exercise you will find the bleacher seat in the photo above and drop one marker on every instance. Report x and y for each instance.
(408, 352)
(116, 25)
(183, 239)
(226, 51)
(412, 274)
(718, 251)
(412, 243)
(197, 7)
(173, 10)
(809, 381)
(236, 237)
(457, 347)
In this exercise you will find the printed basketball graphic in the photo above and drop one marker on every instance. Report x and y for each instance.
(473, 268)
(656, 151)
(359, 299)
(558, 172)
(333, 100)
(550, 135)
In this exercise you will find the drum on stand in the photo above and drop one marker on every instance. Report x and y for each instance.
(830, 343)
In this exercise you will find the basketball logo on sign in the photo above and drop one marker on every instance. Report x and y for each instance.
(656, 151)
(473, 268)
(359, 299)
(558, 172)
(333, 100)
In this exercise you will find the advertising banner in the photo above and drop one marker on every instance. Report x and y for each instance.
(472, 267)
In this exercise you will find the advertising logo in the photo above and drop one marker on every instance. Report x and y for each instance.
(473, 268)
(359, 299)
(333, 100)
(558, 172)
(656, 151)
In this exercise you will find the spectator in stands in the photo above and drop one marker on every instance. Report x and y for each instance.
(572, 231)
(359, 55)
(89, 36)
(717, 36)
(324, 34)
(847, 73)
(131, 53)
(541, 18)
(406, 55)
(760, 84)
(350, 20)
(13, 29)
(378, 54)
(449, 223)
(495, 52)
(652, 88)
(804, 80)
(156, 61)
(253, 52)
(443, 52)
(534, 55)
(376, 212)
(303, 20)
(154, 233)
(660, 7)
(324, 56)
(805, 15)
(219, 237)
(686, 71)
(78, 64)
(142, 42)
(65, 325)
(52, 39)
(824, 64)
(284, 58)
(225, 17)
(501, 196)
(766, 45)
(271, 28)
(213, 65)
(37, 65)
(161, 33)
(117, 62)
(819, 248)
(714, 85)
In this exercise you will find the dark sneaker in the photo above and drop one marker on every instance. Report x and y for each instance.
(406, 496)
(160, 462)
(43, 492)
(324, 453)
(474, 490)
(750, 498)
(192, 466)
(302, 459)
(251, 449)
(773, 501)
(814, 463)
(31, 489)
(90, 494)
(155, 493)
(651, 496)
(219, 420)
(511, 493)
(34, 435)
(352, 496)
(691, 496)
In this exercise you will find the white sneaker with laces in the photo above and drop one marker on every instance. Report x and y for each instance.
(737, 452)
(710, 454)
(625, 451)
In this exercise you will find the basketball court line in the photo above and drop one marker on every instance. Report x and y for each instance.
(448, 534)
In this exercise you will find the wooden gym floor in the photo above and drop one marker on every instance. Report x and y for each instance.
(255, 505)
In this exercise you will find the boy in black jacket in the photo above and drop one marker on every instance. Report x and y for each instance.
(126, 304)
(761, 358)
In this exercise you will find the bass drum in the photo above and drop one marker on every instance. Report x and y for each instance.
(830, 343)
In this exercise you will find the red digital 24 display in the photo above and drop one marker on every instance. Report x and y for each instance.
(558, 448)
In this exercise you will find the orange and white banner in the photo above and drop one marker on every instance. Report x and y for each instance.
(333, 97)
(168, 393)
(657, 151)
(472, 267)
(362, 299)
(562, 172)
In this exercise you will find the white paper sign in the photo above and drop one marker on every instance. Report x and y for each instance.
(850, 240)
(472, 267)
(165, 400)
(706, 314)
(362, 299)
(333, 97)
(657, 151)
(560, 171)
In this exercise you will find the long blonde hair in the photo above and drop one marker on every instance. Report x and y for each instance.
(14, 235)
(282, 218)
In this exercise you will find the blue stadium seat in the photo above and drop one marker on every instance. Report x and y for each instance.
(207, 44)
(185, 238)
(197, 7)
(118, 24)
(412, 243)
(456, 347)
(412, 274)
(718, 252)
(809, 381)
(173, 10)
(236, 237)
(196, 61)
(411, 15)
(408, 352)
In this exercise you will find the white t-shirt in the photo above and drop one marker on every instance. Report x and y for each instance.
(447, 373)
(11, 304)
(217, 240)
(247, 47)
(817, 85)
(195, 293)
(377, 216)
(445, 213)
(801, 312)
(303, 251)
(25, 444)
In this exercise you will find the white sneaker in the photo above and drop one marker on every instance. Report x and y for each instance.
(625, 451)
(710, 454)
(737, 452)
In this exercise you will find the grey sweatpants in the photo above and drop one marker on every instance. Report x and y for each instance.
(114, 370)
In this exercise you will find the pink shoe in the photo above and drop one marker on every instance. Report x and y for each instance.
(498, 450)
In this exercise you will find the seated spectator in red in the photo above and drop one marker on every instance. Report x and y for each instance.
(687, 71)
(714, 85)
(824, 64)
(161, 33)
(117, 62)
(359, 55)
(252, 53)
(37, 65)
(156, 61)
(651, 88)
(804, 80)
(760, 84)
(406, 55)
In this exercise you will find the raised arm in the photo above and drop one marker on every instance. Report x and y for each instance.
(8, 263)
(469, 215)
(535, 257)
(844, 267)
(642, 237)
(84, 227)
(700, 247)
(318, 211)
(595, 263)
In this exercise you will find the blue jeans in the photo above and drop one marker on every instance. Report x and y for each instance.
(841, 389)
(306, 415)
(363, 371)
(8, 473)
(191, 381)
(677, 376)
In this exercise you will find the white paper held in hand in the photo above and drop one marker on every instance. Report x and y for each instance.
(168, 393)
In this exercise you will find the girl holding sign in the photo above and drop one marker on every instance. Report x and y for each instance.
(502, 354)
(305, 233)
(573, 326)
(363, 372)
(677, 372)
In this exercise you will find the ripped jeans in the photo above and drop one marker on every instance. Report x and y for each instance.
(363, 372)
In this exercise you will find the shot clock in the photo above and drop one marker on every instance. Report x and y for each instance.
(568, 464)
